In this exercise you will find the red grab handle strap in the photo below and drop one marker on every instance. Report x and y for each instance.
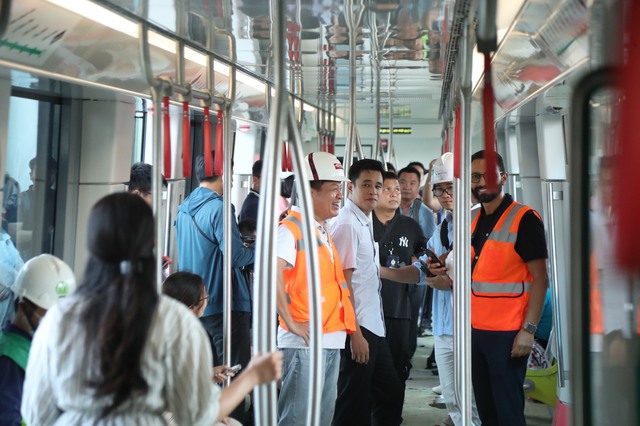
(457, 134)
(186, 141)
(208, 160)
(219, 161)
(283, 162)
(488, 100)
(167, 137)
(627, 153)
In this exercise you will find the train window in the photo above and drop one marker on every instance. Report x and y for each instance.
(31, 170)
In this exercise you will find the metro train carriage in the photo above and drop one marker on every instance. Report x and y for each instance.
(90, 87)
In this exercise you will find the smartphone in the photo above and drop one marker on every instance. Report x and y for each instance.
(233, 369)
(433, 257)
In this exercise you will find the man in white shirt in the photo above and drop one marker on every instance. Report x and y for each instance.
(369, 389)
(338, 317)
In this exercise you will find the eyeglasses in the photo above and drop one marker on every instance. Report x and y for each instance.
(475, 177)
(439, 192)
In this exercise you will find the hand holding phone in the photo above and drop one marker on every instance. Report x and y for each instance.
(233, 369)
(434, 262)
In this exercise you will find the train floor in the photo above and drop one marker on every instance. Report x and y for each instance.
(417, 410)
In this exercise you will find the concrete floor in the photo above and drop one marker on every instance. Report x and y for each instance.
(418, 412)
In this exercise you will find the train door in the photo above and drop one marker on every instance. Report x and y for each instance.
(605, 299)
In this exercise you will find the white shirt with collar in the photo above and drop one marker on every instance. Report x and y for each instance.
(352, 233)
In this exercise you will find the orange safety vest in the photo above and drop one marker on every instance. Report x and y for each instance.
(501, 281)
(337, 311)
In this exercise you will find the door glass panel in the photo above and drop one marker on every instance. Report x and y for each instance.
(613, 294)
(30, 182)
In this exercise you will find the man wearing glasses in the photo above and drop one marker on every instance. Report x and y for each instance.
(338, 317)
(508, 287)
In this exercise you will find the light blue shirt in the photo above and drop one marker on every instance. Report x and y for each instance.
(442, 305)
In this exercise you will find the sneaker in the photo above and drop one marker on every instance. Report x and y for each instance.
(446, 422)
(438, 403)
(437, 389)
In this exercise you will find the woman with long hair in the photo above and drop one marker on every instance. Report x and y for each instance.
(117, 352)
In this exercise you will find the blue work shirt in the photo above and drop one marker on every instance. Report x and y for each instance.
(421, 214)
(11, 382)
(442, 303)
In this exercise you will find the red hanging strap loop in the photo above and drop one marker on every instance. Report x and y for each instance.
(208, 159)
(627, 153)
(283, 162)
(457, 138)
(488, 100)
(186, 141)
(219, 161)
(332, 144)
(167, 137)
(289, 160)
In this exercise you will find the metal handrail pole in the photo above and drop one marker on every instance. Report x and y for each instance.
(228, 217)
(353, 20)
(5, 14)
(157, 88)
(462, 331)
(313, 275)
(555, 285)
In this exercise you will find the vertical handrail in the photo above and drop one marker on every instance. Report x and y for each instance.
(228, 217)
(580, 242)
(462, 238)
(5, 14)
(555, 285)
(353, 13)
(157, 90)
(264, 326)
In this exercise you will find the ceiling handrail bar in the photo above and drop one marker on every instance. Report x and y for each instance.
(281, 119)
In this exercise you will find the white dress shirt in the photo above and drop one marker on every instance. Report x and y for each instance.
(352, 233)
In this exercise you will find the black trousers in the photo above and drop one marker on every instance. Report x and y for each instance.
(368, 394)
(399, 342)
(497, 378)
(416, 298)
(240, 345)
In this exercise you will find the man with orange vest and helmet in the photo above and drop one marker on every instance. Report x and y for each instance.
(508, 286)
(338, 317)
(41, 282)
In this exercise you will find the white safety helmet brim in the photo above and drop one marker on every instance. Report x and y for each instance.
(44, 280)
(442, 169)
(324, 166)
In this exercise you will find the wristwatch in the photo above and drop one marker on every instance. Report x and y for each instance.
(530, 327)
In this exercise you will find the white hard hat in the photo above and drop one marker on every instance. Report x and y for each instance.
(442, 169)
(324, 166)
(44, 280)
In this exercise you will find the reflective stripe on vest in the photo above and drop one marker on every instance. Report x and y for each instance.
(337, 311)
(501, 281)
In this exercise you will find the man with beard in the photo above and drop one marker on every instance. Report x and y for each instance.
(508, 286)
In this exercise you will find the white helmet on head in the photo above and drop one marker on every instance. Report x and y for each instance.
(442, 169)
(44, 280)
(324, 166)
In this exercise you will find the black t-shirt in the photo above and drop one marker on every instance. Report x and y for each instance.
(402, 237)
(530, 244)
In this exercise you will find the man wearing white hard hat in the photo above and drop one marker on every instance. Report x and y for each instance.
(325, 175)
(41, 282)
(441, 243)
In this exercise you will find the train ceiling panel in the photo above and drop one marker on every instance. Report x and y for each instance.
(400, 43)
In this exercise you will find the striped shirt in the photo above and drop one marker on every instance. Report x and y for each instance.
(176, 363)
